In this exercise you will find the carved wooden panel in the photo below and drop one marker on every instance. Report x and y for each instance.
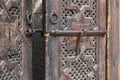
(81, 66)
(74, 48)
(11, 40)
(81, 15)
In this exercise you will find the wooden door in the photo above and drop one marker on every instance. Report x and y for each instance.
(74, 47)
(15, 40)
(76, 41)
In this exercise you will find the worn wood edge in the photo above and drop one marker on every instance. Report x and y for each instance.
(27, 49)
(101, 15)
(52, 55)
(114, 40)
(119, 46)
(108, 39)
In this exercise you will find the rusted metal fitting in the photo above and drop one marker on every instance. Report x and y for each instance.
(54, 17)
(29, 33)
(28, 18)
(76, 33)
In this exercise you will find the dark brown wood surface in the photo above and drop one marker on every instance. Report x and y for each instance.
(59, 40)
(66, 22)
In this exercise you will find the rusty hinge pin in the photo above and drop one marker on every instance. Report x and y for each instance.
(76, 33)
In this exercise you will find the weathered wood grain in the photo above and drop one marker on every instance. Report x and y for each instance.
(27, 45)
(108, 40)
(113, 40)
(102, 43)
(119, 46)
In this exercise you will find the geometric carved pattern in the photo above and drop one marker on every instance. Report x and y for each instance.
(10, 40)
(77, 10)
(74, 67)
(78, 15)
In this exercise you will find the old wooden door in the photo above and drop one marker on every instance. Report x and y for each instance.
(75, 46)
(15, 40)
(76, 42)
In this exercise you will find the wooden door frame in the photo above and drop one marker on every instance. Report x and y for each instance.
(112, 39)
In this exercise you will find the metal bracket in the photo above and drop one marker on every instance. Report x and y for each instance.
(29, 32)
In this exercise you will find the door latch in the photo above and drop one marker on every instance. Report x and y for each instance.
(79, 34)
(75, 33)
